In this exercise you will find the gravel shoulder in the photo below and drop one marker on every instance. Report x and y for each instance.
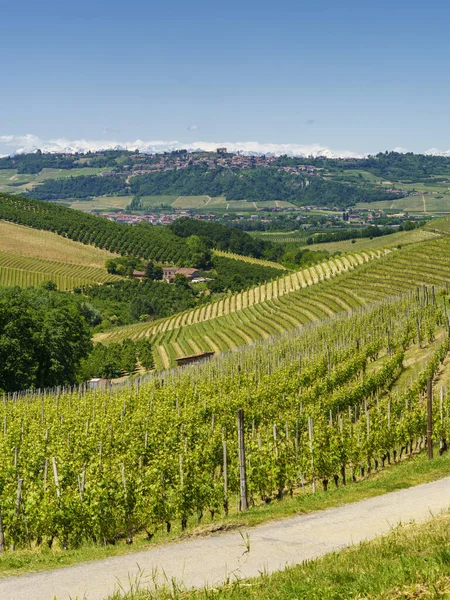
(215, 559)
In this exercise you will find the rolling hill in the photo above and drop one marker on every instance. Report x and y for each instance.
(28, 257)
(344, 283)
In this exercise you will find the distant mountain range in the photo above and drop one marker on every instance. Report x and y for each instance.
(13, 144)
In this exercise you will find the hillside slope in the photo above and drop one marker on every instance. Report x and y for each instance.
(28, 257)
(144, 241)
(293, 300)
(37, 243)
(249, 315)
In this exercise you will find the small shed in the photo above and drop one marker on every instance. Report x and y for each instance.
(192, 358)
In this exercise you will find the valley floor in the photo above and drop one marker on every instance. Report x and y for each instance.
(217, 559)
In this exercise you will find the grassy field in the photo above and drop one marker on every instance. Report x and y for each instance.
(413, 561)
(217, 204)
(411, 471)
(282, 237)
(437, 203)
(30, 256)
(401, 238)
(155, 201)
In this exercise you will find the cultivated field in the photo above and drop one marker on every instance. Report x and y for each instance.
(12, 182)
(25, 271)
(251, 260)
(30, 256)
(253, 314)
(344, 283)
(401, 238)
(37, 243)
(113, 463)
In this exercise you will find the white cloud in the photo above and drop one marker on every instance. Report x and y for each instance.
(436, 152)
(30, 143)
(12, 144)
(192, 127)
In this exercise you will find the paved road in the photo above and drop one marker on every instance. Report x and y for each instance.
(208, 561)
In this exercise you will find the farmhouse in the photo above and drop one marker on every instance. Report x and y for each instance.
(170, 272)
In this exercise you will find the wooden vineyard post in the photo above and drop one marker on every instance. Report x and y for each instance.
(225, 474)
(429, 417)
(55, 477)
(242, 465)
(311, 449)
(2, 534)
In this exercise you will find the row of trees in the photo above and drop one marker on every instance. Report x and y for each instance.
(115, 360)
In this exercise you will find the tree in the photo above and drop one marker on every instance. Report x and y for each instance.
(145, 354)
(200, 254)
(180, 281)
(49, 285)
(43, 338)
(153, 271)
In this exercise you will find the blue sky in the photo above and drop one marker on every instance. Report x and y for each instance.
(353, 76)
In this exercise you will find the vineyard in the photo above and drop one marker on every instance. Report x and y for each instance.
(327, 403)
(441, 226)
(144, 241)
(25, 271)
(293, 300)
(262, 308)
(250, 259)
(36, 243)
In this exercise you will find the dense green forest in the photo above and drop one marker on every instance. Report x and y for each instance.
(43, 338)
(256, 185)
(236, 275)
(128, 301)
(253, 185)
(220, 236)
(83, 186)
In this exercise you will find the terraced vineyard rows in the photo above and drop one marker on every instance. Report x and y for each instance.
(25, 271)
(269, 291)
(251, 260)
(260, 313)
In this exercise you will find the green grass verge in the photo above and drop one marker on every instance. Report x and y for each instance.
(408, 473)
